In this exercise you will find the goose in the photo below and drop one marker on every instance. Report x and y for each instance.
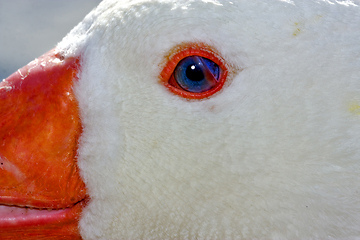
(205, 119)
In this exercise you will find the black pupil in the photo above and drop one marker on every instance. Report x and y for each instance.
(194, 73)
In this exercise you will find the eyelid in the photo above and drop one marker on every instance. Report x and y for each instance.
(206, 70)
(187, 50)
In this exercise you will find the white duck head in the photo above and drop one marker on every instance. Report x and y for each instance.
(273, 154)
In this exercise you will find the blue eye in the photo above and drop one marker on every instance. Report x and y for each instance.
(196, 74)
(195, 71)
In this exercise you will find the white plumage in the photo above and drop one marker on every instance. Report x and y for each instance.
(274, 155)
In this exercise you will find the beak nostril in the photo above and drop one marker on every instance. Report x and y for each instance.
(60, 56)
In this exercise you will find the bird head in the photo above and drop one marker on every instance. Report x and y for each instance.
(211, 119)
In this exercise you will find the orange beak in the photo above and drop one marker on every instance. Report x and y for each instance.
(41, 191)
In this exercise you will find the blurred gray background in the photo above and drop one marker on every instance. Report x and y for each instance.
(29, 28)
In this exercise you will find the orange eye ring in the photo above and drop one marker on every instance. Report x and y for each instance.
(182, 52)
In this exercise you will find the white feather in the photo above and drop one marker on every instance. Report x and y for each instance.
(274, 155)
